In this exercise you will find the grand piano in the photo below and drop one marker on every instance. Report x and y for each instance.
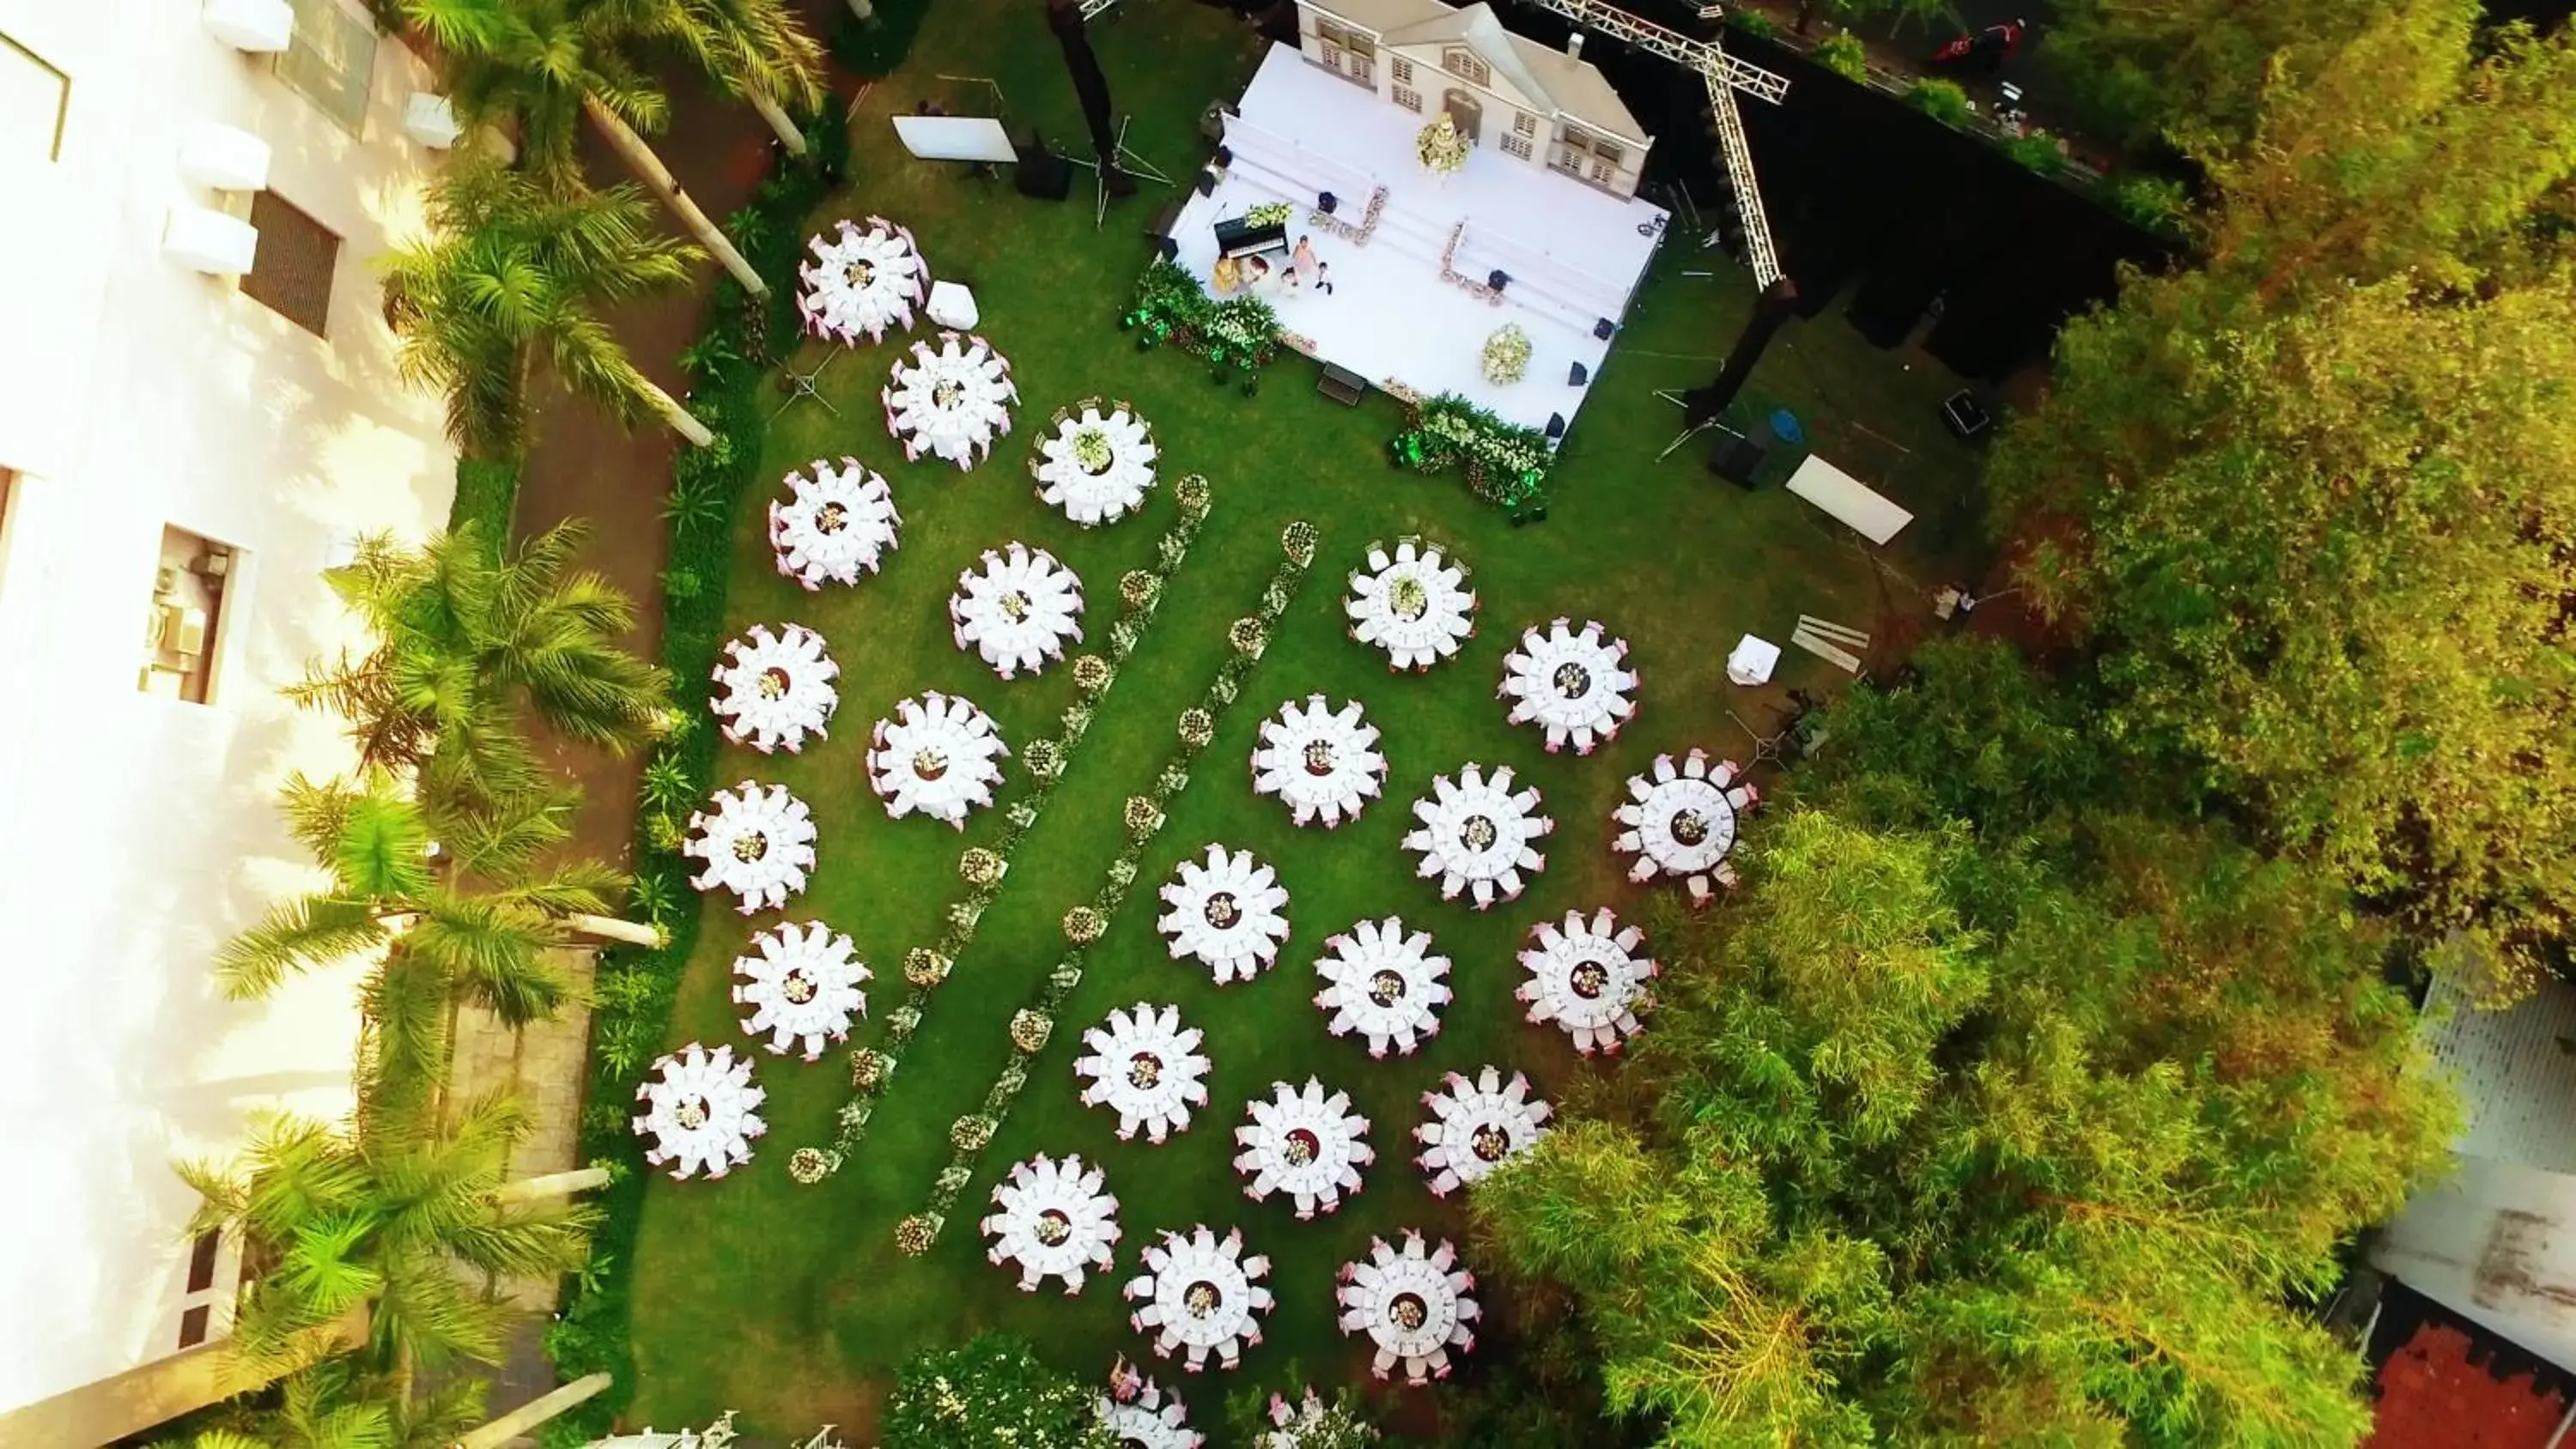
(1239, 238)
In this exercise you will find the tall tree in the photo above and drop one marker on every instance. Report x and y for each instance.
(759, 51)
(1944, 1143)
(535, 65)
(2194, 72)
(383, 1221)
(470, 640)
(338, 1404)
(511, 277)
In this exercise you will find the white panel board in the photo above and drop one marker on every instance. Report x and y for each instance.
(956, 138)
(1847, 498)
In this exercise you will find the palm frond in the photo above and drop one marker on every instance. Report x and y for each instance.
(383, 850)
(494, 955)
(296, 934)
(316, 812)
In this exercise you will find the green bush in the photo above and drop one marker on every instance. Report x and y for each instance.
(2039, 151)
(1503, 463)
(1844, 55)
(873, 48)
(991, 1391)
(1942, 100)
(1753, 23)
(2157, 203)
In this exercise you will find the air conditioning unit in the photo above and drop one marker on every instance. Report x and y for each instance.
(431, 121)
(206, 240)
(223, 158)
(261, 27)
(183, 630)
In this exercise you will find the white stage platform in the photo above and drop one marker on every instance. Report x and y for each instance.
(1574, 254)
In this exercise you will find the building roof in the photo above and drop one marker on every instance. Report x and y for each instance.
(1569, 86)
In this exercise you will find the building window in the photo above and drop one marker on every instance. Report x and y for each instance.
(179, 634)
(35, 99)
(332, 60)
(1608, 153)
(1409, 99)
(291, 272)
(1603, 171)
(192, 1325)
(1403, 71)
(1524, 124)
(201, 1259)
(1364, 73)
(1465, 64)
(1516, 145)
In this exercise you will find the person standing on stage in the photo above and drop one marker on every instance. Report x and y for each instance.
(1303, 261)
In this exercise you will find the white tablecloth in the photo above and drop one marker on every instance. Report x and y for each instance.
(1681, 820)
(758, 842)
(1200, 1296)
(1412, 1303)
(1018, 611)
(1588, 977)
(1414, 605)
(802, 983)
(698, 1112)
(937, 755)
(1145, 1066)
(1478, 835)
(1475, 1125)
(1304, 1143)
(1056, 1220)
(1152, 1419)
(1125, 476)
(861, 282)
(950, 403)
(833, 526)
(1323, 762)
(1227, 912)
(1385, 983)
(772, 690)
(1572, 683)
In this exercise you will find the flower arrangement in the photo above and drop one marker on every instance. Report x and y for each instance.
(1503, 464)
(1507, 354)
(1143, 817)
(1091, 451)
(1248, 635)
(924, 968)
(1030, 1030)
(1192, 494)
(980, 867)
(1274, 213)
(1091, 673)
(809, 1165)
(1084, 924)
(1137, 588)
(869, 1070)
(914, 1235)
(970, 1133)
(1439, 146)
(1172, 307)
(1043, 759)
(1297, 541)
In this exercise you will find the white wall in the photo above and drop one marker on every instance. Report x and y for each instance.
(135, 832)
(2496, 1244)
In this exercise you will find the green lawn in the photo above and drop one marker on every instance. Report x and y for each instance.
(790, 1303)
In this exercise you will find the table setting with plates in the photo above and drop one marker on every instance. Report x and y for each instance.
(861, 281)
(950, 402)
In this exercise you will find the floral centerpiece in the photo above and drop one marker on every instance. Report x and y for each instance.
(1439, 146)
(1275, 213)
(1507, 354)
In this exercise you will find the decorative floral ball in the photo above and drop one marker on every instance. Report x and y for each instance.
(1193, 493)
(1090, 673)
(1030, 1030)
(1197, 727)
(810, 1165)
(1138, 588)
(1083, 925)
(914, 1235)
(970, 1133)
(1247, 635)
(1297, 540)
(924, 967)
(869, 1069)
(1144, 817)
(1042, 758)
(979, 867)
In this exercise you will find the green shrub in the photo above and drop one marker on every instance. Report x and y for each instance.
(2157, 203)
(1942, 100)
(1753, 23)
(991, 1391)
(1844, 55)
(2039, 151)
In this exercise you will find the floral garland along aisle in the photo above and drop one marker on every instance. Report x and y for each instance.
(1034, 1024)
(981, 869)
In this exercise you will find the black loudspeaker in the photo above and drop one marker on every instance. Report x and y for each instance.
(1556, 424)
(1576, 376)
(1326, 201)
(1735, 459)
(1224, 157)
(1498, 279)
(1603, 328)
(1043, 174)
(1206, 184)
(1166, 248)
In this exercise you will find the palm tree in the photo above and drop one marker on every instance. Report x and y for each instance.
(464, 902)
(469, 640)
(758, 50)
(336, 1404)
(513, 274)
(538, 64)
(382, 1222)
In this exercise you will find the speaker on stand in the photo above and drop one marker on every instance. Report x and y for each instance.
(1042, 173)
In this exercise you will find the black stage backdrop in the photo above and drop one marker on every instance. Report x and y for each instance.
(1877, 204)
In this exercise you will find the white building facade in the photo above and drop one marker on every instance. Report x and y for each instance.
(183, 450)
(1507, 93)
